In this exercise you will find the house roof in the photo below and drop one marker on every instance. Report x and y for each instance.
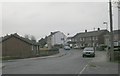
(19, 37)
(69, 37)
(91, 33)
(53, 33)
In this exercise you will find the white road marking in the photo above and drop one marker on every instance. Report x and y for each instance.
(83, 69)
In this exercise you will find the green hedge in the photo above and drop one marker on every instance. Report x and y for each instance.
(11, 57)
(54, 49)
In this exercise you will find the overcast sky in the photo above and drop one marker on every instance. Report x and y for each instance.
(41, 18)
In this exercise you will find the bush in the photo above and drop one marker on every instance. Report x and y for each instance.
(11, 57)
(54, 49)
(58, 46)
(117, 56)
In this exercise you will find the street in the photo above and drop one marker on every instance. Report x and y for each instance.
(71, 63)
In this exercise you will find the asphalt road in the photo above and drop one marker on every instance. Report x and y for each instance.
(71, 63)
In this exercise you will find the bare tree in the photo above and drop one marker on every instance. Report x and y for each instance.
(33, 38)
(26, 36)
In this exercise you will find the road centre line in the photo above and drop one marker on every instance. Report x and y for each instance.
(83, 69)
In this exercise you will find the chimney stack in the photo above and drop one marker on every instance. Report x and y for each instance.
(85, 30)
(51, 32)
(98, 29)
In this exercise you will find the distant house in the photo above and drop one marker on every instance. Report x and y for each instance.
(116, 38)
(70, 42)
(17, 46)
(42, 42)
(90, 39)
(56, 38)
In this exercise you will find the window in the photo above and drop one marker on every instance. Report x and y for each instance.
(32, 47)
(80, 39)
(90, 38)
(37, 47)
(96, 38)
(83, 39)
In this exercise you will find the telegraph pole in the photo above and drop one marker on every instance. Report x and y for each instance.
(111, 32)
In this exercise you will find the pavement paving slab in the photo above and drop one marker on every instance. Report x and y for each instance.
(100, 65)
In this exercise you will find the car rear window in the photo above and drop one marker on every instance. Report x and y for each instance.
(88, 49)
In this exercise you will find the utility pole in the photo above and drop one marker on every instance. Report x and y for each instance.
(111, 32)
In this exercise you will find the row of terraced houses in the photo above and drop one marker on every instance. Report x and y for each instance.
(16, 45)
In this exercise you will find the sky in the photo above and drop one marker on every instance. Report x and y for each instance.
(41, 18)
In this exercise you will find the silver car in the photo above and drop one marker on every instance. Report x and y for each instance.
(88, 51)
(66, 47)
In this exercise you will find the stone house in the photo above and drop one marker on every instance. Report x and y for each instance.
(116, 38)
(90, 39)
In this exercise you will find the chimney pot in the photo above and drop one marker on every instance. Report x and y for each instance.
(98, 29)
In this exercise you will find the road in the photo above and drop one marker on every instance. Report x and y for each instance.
(71, 63)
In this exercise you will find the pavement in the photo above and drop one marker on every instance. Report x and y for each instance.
(60, 54)
(101, 65)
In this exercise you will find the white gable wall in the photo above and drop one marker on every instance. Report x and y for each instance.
(57, 38)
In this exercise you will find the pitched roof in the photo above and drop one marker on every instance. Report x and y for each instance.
(91, 33)
(69, 37)
(19, 37)
(52, 33)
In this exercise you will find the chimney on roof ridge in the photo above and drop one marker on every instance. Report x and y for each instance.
(51, 32)
(98, 29)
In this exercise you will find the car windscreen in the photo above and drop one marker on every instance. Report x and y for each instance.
(88, 49)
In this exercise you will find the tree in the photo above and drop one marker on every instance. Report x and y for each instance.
(26, 36)
(42, 42)
(33, 38)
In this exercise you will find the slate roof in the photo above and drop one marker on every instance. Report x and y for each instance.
(52, 33)
(69, 37)
(91, 33)
(19, 37)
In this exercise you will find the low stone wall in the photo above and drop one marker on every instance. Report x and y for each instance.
(117, 55)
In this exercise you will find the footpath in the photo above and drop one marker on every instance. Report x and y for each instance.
(60, 54)
(101, 65)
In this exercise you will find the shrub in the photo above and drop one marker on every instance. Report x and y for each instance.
(54, 49)
(11, 57)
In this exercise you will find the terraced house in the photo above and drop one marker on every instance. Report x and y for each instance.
(90, 39)
(17, 46)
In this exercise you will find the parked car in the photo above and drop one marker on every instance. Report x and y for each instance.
(66, 47)
(76, 47)
(88, 51)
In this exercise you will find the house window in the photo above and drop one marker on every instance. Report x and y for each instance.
(80, 39)
(96, 38)
(83, 39)
(37, 47)
(62, 38)
(32, 47)
(90, 38)
(93, 38)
